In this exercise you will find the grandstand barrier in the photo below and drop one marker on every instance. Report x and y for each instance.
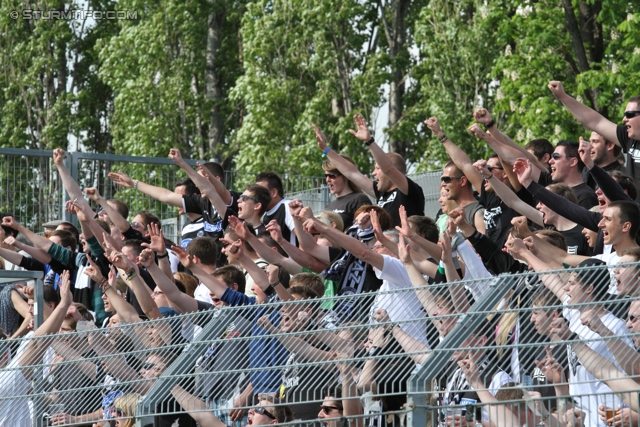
(200, 362)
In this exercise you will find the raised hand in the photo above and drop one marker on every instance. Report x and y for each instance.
(146, 258)
(274, 230)
(9, 221)
(556, 88)
(320, 138)
(433, 124)
(363, 132)
(404, 228)
(66, 298)
(482, 116)
(584, 151)
(11, 241)
(559, 330)
(457, 215)
(375, 223)
(521, 225)
(481, 167)
(516, 248)
(531, 245)
(403, 251)
(175, 155)
(551, 369)
(591, 320)
(522, 167)
(59, 156)
(381, 316)
(265, 323)
(313, 226)
(295, 206)
(477, 131)
(185, 259)
(157, 239)
(120, 260)
(120, 178)
(92, 193)
(363, 220)
(235, 249)
(445, 244)
(273, 273)
(306, 212)
(93, 271)
(239, 227)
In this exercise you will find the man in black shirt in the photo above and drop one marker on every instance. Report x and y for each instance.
(605, 154)
(278, 208)
(391, 188)
(627, 136)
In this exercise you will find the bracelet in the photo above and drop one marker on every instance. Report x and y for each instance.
(273, 285)
(491, 123)
(325, 152)
(135, 184)
(443, 138)
(131, 274)
(487, 178)
(369, 142)
(166, 254)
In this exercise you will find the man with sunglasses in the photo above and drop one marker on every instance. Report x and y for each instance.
(626, 136)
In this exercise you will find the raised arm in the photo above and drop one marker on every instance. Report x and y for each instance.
(346, 168)
(196, 408)
(589, 118)
(121, 223)
(458, 294)
(206, 188)
(350, 244)
(216, 286)
(430, 248)
(508, 196)
(158, 246)
(159, 193)
(296, 255)
(383, 161)
(414, 348)
(72, 187)
(459, 157)
(40, 241)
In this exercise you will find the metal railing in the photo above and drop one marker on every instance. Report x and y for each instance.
(488, 363)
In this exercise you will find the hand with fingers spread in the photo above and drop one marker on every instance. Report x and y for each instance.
(185, 259)
(556, 89)
(404, 228)
(58, 156)
(445, 245)
(320, 138)
(147, 257)
(66, 297)
(120, 178)
(295, 206)
(157, 239)
(375, 223)
(584, 151)
(362, 133)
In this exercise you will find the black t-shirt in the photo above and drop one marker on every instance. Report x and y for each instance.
(498, 216)
(280, 213)
(540, 383)
(576, 242)
(586, 196)
(210, 224)
(391, 201)
(591, 182)
(346, 206)
(631, 147)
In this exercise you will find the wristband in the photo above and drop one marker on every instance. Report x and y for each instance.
(491, 123)
(325, 152)
(443, 138)
(369, 142)
(166, 254)
(135, 185)
(273, 285)
(131, 274)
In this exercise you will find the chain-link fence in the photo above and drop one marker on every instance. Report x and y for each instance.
(553, 348)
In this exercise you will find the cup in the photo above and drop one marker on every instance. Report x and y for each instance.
(609, 413)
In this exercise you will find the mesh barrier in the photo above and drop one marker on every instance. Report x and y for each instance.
(517, 356)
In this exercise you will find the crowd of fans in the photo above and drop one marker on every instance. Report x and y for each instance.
(331, 312)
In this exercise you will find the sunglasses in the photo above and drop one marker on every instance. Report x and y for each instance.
(262, 411)
(244, 198)
(448, 179)
(327, 409)
(495, 167)
(331, 175)
(633, 319)
(136, 224)
(558, 156)
(631, 114)
(148, 366)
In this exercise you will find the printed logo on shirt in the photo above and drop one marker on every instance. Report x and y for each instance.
(213, 228)
(185, 243)
(489, 217)
(338, 211)
(572, 250)
(635, 153)
(391, 198)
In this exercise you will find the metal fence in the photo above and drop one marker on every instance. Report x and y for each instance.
(517, 356)
(30, 187)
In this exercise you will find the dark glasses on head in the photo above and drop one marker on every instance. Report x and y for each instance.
(244, 198)
(262, 411)
(448, 179)
(631, 114)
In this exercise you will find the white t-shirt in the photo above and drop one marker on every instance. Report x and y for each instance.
(586, 389)
(202, 293)
(400, 305)
(14, 412)
(611, 258)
